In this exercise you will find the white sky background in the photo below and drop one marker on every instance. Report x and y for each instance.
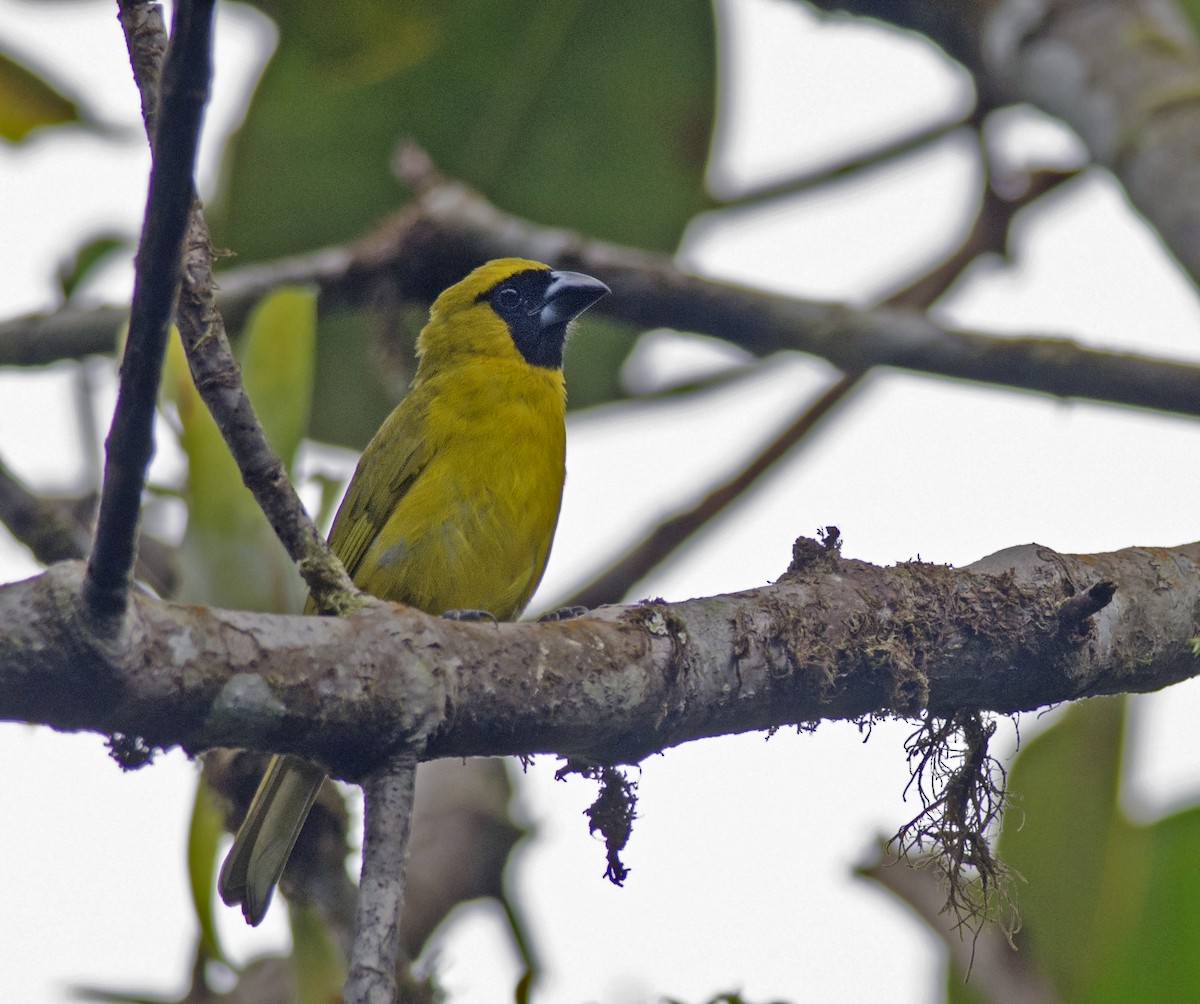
(742, 853)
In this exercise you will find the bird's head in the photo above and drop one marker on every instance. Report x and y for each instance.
(509, 307)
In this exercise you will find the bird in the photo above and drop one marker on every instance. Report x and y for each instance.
(454, 503)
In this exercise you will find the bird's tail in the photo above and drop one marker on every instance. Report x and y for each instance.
(266, 837)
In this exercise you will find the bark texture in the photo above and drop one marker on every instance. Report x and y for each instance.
(832, 638)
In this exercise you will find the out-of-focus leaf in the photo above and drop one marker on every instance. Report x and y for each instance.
(278, 349)
(1061, 828)
(1192, 9)
(593, 359)
(319, 969)
(1158, 962)
(230, 555)
(204, 834)
(27, 102)
(77, 268)
(351, 396)
(592, 116)
(331, 492)
(595, 117)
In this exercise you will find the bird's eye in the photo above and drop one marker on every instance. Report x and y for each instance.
(508, 299)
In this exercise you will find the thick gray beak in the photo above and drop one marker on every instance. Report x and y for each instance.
(569, 295)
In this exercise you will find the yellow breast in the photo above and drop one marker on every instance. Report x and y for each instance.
(474, 529)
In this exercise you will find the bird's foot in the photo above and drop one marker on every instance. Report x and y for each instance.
(564, 614)
(470, 615)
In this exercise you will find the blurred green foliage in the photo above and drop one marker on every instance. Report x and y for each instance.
(205, 831)
(593, 117)
(28, 102)
(1110, 908)
(230, 556)
(596, 117)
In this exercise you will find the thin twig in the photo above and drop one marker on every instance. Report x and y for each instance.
(613, 583)
(388, 804)
(215, 371)
(989, 235)
(806, 181)
(130, 443)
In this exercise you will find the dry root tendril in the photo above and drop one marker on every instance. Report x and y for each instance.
(962, 791)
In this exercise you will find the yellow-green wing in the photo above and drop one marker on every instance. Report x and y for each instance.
(387, 470)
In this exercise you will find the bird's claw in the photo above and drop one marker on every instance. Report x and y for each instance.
(470, 615)
(563, 614)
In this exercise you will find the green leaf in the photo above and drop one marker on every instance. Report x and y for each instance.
(593, 359)
(204, 835)
(278, 349)
(353, 392)
(230, 555)
(1158, 960)
(318, 968)
(1061, 833)
(28, 102)
(1192, 9)
(92, 253)
(592, 116)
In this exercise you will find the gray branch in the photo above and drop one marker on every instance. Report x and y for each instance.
(1124, 74)
(832, 639)
(388, 811)
(449, 229)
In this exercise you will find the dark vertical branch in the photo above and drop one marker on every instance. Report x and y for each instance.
(130, 442)
(211, 361)
(388, 796)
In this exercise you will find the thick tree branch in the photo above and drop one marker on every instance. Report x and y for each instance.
(450, 228)
(833, 638)
(130, 442)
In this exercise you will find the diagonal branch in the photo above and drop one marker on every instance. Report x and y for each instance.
(213, 367)
(130, 441)
(53, 529)
(60, 529)
(989, 235)
(666, 538)
(891, 149)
